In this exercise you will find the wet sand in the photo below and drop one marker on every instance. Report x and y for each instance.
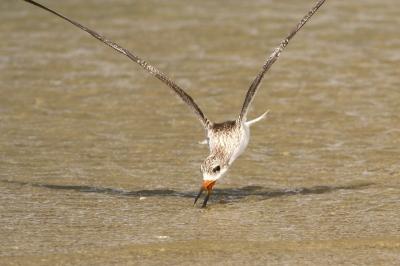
(91, 173)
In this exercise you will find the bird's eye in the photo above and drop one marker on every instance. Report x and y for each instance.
(216, 169)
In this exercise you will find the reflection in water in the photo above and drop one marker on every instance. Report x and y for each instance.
(227, 194)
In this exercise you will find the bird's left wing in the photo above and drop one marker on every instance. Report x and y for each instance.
(152, 70)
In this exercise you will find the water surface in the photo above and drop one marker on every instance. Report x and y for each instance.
(100, 161)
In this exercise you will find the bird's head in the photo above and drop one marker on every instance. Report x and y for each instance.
(212, 168)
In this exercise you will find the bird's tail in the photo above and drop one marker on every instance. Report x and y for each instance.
(251, 122)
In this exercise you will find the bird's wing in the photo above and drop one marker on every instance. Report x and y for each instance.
(152, 70)
(271, 59)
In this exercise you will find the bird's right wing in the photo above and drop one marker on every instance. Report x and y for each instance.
(271, 59)
(152, 70)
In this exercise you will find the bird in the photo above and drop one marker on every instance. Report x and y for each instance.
(226, 140)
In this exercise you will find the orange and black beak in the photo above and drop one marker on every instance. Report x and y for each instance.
(206, 186)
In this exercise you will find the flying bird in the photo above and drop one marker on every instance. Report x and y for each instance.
(226, 140)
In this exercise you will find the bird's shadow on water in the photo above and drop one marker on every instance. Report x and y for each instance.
(224, 195)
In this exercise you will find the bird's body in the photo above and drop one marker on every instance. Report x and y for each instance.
(226, 140)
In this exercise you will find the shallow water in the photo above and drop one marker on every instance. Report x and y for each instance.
(100, 161)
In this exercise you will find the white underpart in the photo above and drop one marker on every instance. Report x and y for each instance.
(244, 140)
(245, 137)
